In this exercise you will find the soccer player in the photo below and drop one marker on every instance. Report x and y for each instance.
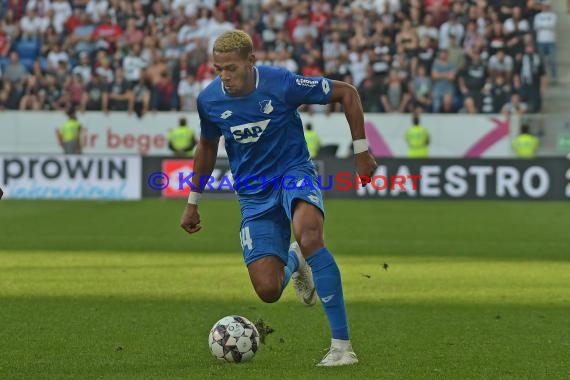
(255, 109)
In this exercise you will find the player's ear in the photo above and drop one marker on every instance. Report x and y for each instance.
(251, 59)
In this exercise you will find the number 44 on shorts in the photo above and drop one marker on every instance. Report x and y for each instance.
(245, 238)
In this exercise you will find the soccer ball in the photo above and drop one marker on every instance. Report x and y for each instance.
(233, 339)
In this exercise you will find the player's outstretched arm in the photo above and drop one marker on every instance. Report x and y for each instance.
(347, 95)
(204, 161)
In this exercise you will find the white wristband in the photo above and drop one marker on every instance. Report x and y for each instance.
(359, 146)
(194, 198)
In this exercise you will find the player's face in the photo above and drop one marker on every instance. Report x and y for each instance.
(235, 72)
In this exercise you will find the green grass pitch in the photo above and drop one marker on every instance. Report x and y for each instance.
(117, 290)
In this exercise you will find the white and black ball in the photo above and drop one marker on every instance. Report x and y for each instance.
(234, 339)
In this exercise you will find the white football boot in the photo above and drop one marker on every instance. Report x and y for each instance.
(339, 354)
(303, 279)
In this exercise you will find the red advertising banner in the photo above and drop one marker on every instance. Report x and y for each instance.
(177, 170)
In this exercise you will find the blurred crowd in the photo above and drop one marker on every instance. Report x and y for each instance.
(442, 56)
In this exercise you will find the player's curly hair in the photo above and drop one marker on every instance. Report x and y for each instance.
(234, 40)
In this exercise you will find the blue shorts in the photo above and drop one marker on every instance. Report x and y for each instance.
(266, 217)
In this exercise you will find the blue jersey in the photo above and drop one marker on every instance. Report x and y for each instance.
(263, 131)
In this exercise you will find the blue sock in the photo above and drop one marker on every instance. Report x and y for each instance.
(329, 288)
(290, 268)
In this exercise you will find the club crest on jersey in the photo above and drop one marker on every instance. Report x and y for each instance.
(266, 106)
(250, 132)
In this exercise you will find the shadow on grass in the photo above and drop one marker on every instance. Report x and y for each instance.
(126, 338)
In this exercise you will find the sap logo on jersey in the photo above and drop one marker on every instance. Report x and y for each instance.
(250, 132)
(307, 82)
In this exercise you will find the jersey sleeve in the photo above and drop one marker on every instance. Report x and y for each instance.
(208, 130)
(307, 90)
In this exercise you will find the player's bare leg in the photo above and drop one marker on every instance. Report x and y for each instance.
(266, 276)
(308, 228)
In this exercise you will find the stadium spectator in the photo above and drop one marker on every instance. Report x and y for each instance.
(516, 24)
(61, 12)
(96, 9)
(188, 90)
(5, 41)
(443, 76)
(56, 56)
(69, 134)
(120, 93)
(387, 6)
(427, 29)
(106, 34)
(172, 50)
(417, 138)
(370, 90)
(471, 81)
(426, 53)
(284, 59)
(142, 95)
(15, 71)
(74, 91)
(334, 52)
(37, 69)
(456, 53)
(132, 36)
(40, 7)
(501, 92)
(395, 94)
(51, 95)
(421, 89)
(311, 68)
(501, 64)
(31, 25)
(408, 39)
(9, 97)
(250, 8)
(494, 95)
(134, 64)
(80, 40)
(30, 94)
(216, 25)
(525, 144)
(496, 38)
(304, 28)
(163, 94)
(545, 27)
(515, 106)
(358, 64)
(11, 25)
(313, 141)
(438, 8)
(5, 5)
(103, 67)
(61, 73)
(530, 78)
(450, 28)
(84, 68)
(181, 140)
(50, 38)
(472, 38)
(95, 97)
